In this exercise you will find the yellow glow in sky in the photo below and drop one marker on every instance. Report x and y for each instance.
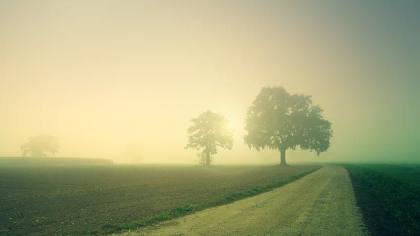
(122, 79)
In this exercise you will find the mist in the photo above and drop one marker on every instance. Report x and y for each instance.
(123, 79)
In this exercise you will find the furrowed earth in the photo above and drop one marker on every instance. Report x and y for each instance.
(78, 200)
(351, 199)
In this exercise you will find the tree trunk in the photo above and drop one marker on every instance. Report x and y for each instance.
(207, 159)
(283, 156)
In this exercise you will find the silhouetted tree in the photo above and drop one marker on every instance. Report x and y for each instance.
(208, 132)
(278, 120)
(39, 146)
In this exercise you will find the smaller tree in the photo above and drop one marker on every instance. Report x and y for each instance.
(208, 132)
(39, 146)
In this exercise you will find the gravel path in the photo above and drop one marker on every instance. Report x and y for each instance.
(321, 203)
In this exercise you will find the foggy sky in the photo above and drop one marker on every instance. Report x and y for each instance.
(122, 79)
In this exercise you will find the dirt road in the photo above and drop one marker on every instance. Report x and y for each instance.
(321, 203)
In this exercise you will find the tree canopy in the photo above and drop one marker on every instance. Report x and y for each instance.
(39, 146)
(208, 132)
(279, 120)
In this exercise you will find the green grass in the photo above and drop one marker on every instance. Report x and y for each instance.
(105, 199)
(389, 197)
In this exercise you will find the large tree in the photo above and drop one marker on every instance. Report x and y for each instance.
(39, 146)
(208, 132)
(281, 121)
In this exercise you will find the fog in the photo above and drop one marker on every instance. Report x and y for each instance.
(123, 79)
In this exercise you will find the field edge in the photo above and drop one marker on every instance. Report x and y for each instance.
(189, 209)
(388, 205)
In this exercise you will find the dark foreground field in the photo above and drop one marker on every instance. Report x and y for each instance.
(389, 197)
(104, 199)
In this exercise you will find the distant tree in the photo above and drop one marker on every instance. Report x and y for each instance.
(278, 120)
(39, 146)
(208, 132)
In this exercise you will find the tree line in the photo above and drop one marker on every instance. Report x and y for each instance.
(275, 120)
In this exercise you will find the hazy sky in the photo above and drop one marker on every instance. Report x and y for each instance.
(122, 79)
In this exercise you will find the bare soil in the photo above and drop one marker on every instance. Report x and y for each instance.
(321, 203)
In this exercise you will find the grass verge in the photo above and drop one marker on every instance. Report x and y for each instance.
(189, 209)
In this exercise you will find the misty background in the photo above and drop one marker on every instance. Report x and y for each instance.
(123, 79)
